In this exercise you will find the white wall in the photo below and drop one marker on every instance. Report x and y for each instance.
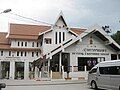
(14, 43)
(80, 50)
(48, 47)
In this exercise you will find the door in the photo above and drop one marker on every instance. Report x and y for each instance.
(103, 77)
(19, 70)
(115, 77)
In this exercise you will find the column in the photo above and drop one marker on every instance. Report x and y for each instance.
(60, 59)
(48, 67)
(98, 60)
(117, 56)
(12, 69)
(0, 70)
(36, 72)
(62, 72)
(26, 70)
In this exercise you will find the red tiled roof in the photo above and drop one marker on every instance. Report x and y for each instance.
(23, 37)
(77, 30)
(24, 31)
(3, 38)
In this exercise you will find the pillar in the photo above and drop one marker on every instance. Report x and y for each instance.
(26, 70)
(49, 67)
(60, 59)
(85, 68)
(36, 73)
(12, 69)
(0, 70)
(62, 72)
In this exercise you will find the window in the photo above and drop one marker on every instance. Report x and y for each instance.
(9, 53)
(25, 54)
(32, 44)
(18, 43)
(94, 70)
(63, 36)
(21, 53)
(37, 54)
(37, 44)
(21, 43)
(1, 53)
(118, 56)
(55, 37)
(113, 56)
(86, 61)
(59, 37)
(41, 43)
(25, 44)
(48, 40)
(112, 70)
(17, 53)
(32, 54)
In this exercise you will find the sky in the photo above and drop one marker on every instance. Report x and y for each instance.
(77, 13)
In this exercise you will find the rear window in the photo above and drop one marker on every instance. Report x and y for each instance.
(112, 70)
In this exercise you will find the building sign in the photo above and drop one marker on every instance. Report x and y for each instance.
(92, 51)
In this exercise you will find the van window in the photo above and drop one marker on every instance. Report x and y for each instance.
(94, 70)
(112, 70)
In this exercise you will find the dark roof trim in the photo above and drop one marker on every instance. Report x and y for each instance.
(114, 47)
(101, 36)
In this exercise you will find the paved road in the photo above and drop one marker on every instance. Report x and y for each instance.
(46, 85)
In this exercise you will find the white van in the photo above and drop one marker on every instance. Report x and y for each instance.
(105, 75)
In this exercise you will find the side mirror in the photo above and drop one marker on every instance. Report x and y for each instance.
(2, 85)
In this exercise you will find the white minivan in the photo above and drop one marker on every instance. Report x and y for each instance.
(105, 75)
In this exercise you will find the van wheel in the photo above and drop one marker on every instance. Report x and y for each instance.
(93, 85)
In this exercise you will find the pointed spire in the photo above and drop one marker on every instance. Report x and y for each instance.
(61, 16)
(61, 13)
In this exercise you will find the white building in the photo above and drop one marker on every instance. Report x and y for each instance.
(54, 50)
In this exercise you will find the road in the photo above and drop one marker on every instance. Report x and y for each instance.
(47, 85)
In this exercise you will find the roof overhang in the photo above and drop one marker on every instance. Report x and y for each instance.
(101, 36)
(114, 47)
(100, 33)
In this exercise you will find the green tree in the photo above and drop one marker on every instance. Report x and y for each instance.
(116, 37)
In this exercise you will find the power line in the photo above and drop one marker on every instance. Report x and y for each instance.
(31, 19)
(38, 20)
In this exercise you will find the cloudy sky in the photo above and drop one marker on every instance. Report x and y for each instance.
(77, 13)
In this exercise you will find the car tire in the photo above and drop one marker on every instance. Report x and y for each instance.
(93, 85)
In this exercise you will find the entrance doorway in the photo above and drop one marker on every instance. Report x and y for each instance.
(66, 61)
(5, 69)
(54, 63)
(19, 70)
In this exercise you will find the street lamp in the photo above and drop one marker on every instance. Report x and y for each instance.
(6, 11)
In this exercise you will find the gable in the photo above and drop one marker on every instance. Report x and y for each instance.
(101, 34)
(61, 22)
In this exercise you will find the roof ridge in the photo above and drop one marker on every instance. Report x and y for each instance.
(24, 34)
(3, 32)
(28, 24)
